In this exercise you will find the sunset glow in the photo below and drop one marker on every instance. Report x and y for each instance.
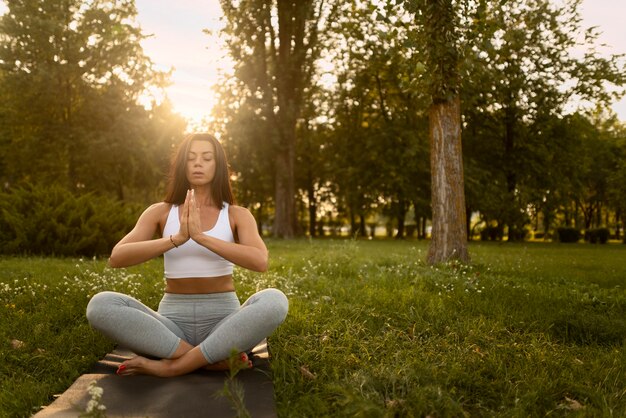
(197, 58)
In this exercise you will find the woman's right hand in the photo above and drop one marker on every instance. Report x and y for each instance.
(183, 233)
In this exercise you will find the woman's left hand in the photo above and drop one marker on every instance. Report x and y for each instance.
(193, 223)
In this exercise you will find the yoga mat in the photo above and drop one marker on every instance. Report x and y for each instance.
(188, 396)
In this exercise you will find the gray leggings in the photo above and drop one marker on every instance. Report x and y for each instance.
(216, 322)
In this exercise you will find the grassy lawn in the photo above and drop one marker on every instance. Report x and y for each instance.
(527, 330)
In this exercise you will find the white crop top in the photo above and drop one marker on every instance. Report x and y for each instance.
(192, 259)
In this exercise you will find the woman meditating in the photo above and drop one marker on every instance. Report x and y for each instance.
(203, 234)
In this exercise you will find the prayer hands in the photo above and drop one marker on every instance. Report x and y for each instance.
(183, 233)
(193, 216)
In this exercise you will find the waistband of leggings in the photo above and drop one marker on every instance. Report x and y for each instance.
(198, 297)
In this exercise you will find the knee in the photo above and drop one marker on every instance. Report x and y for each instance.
(99, 307)
(279, 304)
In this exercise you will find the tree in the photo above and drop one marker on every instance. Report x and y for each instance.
(313, 163)
(73, 73)
(275, 46)
(519, 70)
(441, 37)
(379, 155)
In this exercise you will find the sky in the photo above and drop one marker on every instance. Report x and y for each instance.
(179, 42)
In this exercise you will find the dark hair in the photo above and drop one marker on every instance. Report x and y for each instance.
(178, 184)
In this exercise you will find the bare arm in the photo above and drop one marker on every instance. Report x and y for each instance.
(138, 246)
(249, 252)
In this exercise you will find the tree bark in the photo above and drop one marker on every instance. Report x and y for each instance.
(362, 231)
(312, 209)
(449, 234)
(401, 215)
(285, 214)
(618, 215)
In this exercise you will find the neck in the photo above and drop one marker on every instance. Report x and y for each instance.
(203, 196)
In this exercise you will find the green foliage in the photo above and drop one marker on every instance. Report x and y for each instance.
(440, 19)
(53, 221)
(492, 233)
(71, 76)
(568, 234)
(597, 235)
(520, 150)
(379, 119)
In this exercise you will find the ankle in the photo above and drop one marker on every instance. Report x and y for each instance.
(168, 368)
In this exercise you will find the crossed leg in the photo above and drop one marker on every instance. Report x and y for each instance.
(186, 359)
(146, 331)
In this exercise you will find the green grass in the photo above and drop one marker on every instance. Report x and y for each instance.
(527, 330)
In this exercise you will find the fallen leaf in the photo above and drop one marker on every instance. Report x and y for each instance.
(307, 373)
(571, 404)
(17, 344)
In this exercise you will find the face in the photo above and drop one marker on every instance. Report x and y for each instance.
(200, 163)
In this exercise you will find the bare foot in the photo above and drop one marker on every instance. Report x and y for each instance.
(172, 367)
(142, 365)
(244, 363)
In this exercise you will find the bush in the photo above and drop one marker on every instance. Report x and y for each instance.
(598, 235)
(491, 233)
(53, 221)
(568, 234)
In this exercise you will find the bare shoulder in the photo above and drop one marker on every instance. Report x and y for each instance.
(156, 213)
(239, 213)
(158, 209)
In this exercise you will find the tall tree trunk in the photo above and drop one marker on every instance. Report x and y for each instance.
(421, 228)
(512, 217)
(400, 232)
(449, 234)
(353, 227)
(292, 75)
(312, 208)
(401, 215)
(362, 230)
(285, 216)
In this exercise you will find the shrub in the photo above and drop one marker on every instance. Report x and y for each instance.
(568, 234)
(53, 221)
(598, 235)
(492, 233)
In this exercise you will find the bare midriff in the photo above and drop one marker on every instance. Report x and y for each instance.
(197, 285)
